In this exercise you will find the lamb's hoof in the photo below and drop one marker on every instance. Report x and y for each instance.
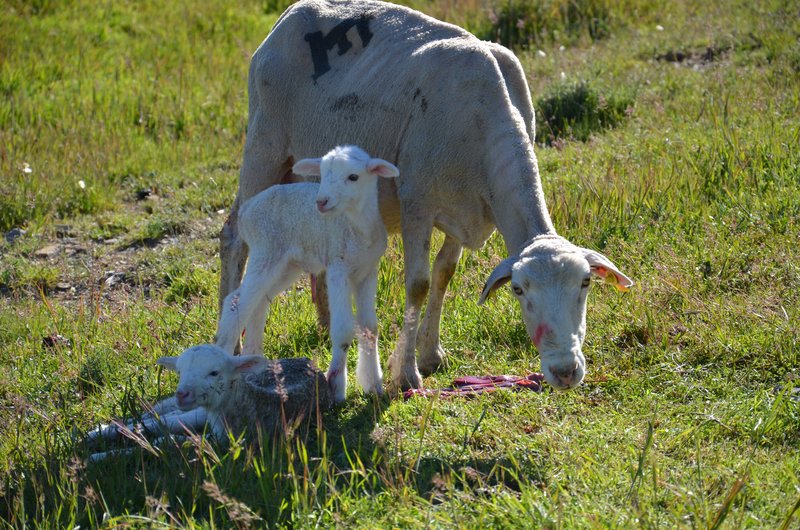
(431, 361)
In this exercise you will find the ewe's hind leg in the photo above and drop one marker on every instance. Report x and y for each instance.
(431, 353)
(321, 301)
(341, 330)
(265, 163)
(368, 369)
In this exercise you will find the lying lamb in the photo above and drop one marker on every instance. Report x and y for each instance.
(223, 393)
(333, 226)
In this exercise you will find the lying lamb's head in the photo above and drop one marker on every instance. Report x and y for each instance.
(551, 278)
(348, 177)
(206, 373)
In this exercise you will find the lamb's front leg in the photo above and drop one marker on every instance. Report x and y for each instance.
(368, 369)
(341, 330)
(179, 422)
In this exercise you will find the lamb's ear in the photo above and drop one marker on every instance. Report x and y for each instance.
(170, 363)
(602, 267)
(249, 363)
(382, 168)
(499, 276)
(308, 167)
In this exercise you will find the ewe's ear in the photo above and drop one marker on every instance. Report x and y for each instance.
(170, 363)
(382, 168)
(308, 167)
(249, 363)
(500, 275)
(602, 267)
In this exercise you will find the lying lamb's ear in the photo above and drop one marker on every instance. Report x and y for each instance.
(382, 168)
(308, 167)
(170, 363)
(249, 363)
(602, 267)
(500, 275)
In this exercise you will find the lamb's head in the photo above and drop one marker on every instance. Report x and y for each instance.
(206, 374)
(550, 278)
(348, 177)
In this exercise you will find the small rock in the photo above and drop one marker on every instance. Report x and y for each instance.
(14, 234)
(113, 278)
(47, 252)
(143, 194)
(51, 341)
(63, 286)
(63, 231)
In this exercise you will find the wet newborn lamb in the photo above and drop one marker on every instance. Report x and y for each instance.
(220, 393)
(333, 226)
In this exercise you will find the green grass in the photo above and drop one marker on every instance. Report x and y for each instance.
(689, 416)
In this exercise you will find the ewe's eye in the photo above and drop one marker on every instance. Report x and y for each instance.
(213, 373)
(586, 282)
(353, 177)
(517, 290)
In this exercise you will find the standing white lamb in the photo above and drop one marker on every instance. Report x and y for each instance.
(333, 226)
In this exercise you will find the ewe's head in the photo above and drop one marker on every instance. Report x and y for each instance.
(348, 177)
(550, 279)
(207, 373)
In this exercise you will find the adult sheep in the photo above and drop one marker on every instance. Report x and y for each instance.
(454, 114)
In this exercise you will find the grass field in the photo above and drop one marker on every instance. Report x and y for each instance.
(121, 134)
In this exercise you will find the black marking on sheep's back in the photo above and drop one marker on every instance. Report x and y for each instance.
(423, 104)
(320, 44)
(349, 102)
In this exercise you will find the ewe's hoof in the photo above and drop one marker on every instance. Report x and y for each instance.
(406, 380)
(432, 360)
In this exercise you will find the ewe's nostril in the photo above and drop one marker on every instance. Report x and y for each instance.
(321, 204)
(565, 376)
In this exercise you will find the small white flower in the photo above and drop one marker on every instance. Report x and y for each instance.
(660, 27)
(81, 184)
(561, 48)
(541, 53)
(563, 76)
(26, 168)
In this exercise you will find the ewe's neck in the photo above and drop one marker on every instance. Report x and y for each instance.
(516, 196)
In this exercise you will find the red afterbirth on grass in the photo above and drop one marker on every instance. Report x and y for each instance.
(468, 386)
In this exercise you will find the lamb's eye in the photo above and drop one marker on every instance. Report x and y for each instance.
(586, 282)
(213, 373)
(353, 177)
(517, 290)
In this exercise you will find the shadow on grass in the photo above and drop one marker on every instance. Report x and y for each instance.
(267, 484)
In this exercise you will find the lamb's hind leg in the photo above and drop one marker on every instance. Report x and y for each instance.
(284, 276)
(368, 369)
(243, 307)
(431, 353)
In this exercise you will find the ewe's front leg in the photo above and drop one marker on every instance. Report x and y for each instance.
(431, 353)
(368, 369)
(403, 362)
(341, 330)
